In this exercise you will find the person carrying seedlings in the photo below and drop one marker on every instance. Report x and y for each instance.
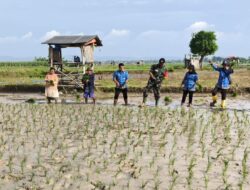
(88, 81)
(51, 82)
(156, 75)
(223, 83)
(189, 84)
(120, 78)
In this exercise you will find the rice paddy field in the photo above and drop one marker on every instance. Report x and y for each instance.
(76, 146)
(105, 147)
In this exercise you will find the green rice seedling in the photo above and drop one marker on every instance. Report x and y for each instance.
(75, 155)
(10, 163)
(23, 163)
(209, 164)
(241, 133)
(203, 149)
(206, 180)
(191, 166)
(233, 153)
(143, 184)
(224, 172)
(219, 153)
(167, 100)
(226, 133)
(174, 180)
(151, 163)
(156, 184)
(244, 165)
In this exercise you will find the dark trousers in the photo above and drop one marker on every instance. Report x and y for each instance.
(152, 86)
(184, 96)
(222, 91)
(124, 91)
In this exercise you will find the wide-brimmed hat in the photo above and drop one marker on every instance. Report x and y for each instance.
(89, 69)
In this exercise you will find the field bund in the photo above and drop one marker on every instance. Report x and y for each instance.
(28, 78)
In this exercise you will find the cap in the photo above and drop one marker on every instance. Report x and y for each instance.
(225, 62)
(162, 60)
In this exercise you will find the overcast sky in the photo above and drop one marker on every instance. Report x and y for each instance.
(128, 28)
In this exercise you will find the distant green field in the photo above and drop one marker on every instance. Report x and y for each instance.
(27, 74)
(39, 69)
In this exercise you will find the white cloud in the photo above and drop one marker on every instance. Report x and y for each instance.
(153, 33)
(119, 33)
(8, 39)
(14, 39)
(200, 25)
(50, 34)
(27, 35)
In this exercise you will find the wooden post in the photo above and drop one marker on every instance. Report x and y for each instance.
(51, 56)
(83, 59)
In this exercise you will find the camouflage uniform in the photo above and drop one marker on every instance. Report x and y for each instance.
(154, 84)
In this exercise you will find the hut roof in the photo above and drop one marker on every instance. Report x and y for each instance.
(74, 41)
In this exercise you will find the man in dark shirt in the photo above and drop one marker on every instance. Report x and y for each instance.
(88, 81)
(157, 73)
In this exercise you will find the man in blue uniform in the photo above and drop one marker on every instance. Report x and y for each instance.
(120, 78)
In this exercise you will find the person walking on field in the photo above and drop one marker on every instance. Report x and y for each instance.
(156, 75)
(120, 78)
(51, 82)
(88, 81)
(223, 83)
(189, 85)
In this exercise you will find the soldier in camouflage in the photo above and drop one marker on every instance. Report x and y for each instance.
(157, 73)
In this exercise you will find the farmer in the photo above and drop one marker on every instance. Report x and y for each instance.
(120, 78)
(157, 73)
(51, 82)
(189, 83)
(223, 83)
(88, 81)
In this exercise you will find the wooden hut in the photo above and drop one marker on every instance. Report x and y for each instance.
(86, 44)
(192, 60)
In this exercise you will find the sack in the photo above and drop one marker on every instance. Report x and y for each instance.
(165, 74)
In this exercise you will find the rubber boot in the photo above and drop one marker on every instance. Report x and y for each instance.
(223, 104)
(48, 100)
(143, 102)
(86, 100)
(157, 102)
(214, 98)
(126, 102)
(115, 102)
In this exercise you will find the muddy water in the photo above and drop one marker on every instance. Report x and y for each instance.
(241, 103)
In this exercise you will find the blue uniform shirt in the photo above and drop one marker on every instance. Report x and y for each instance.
(121, 77)
(190, 80)
(224, 77)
